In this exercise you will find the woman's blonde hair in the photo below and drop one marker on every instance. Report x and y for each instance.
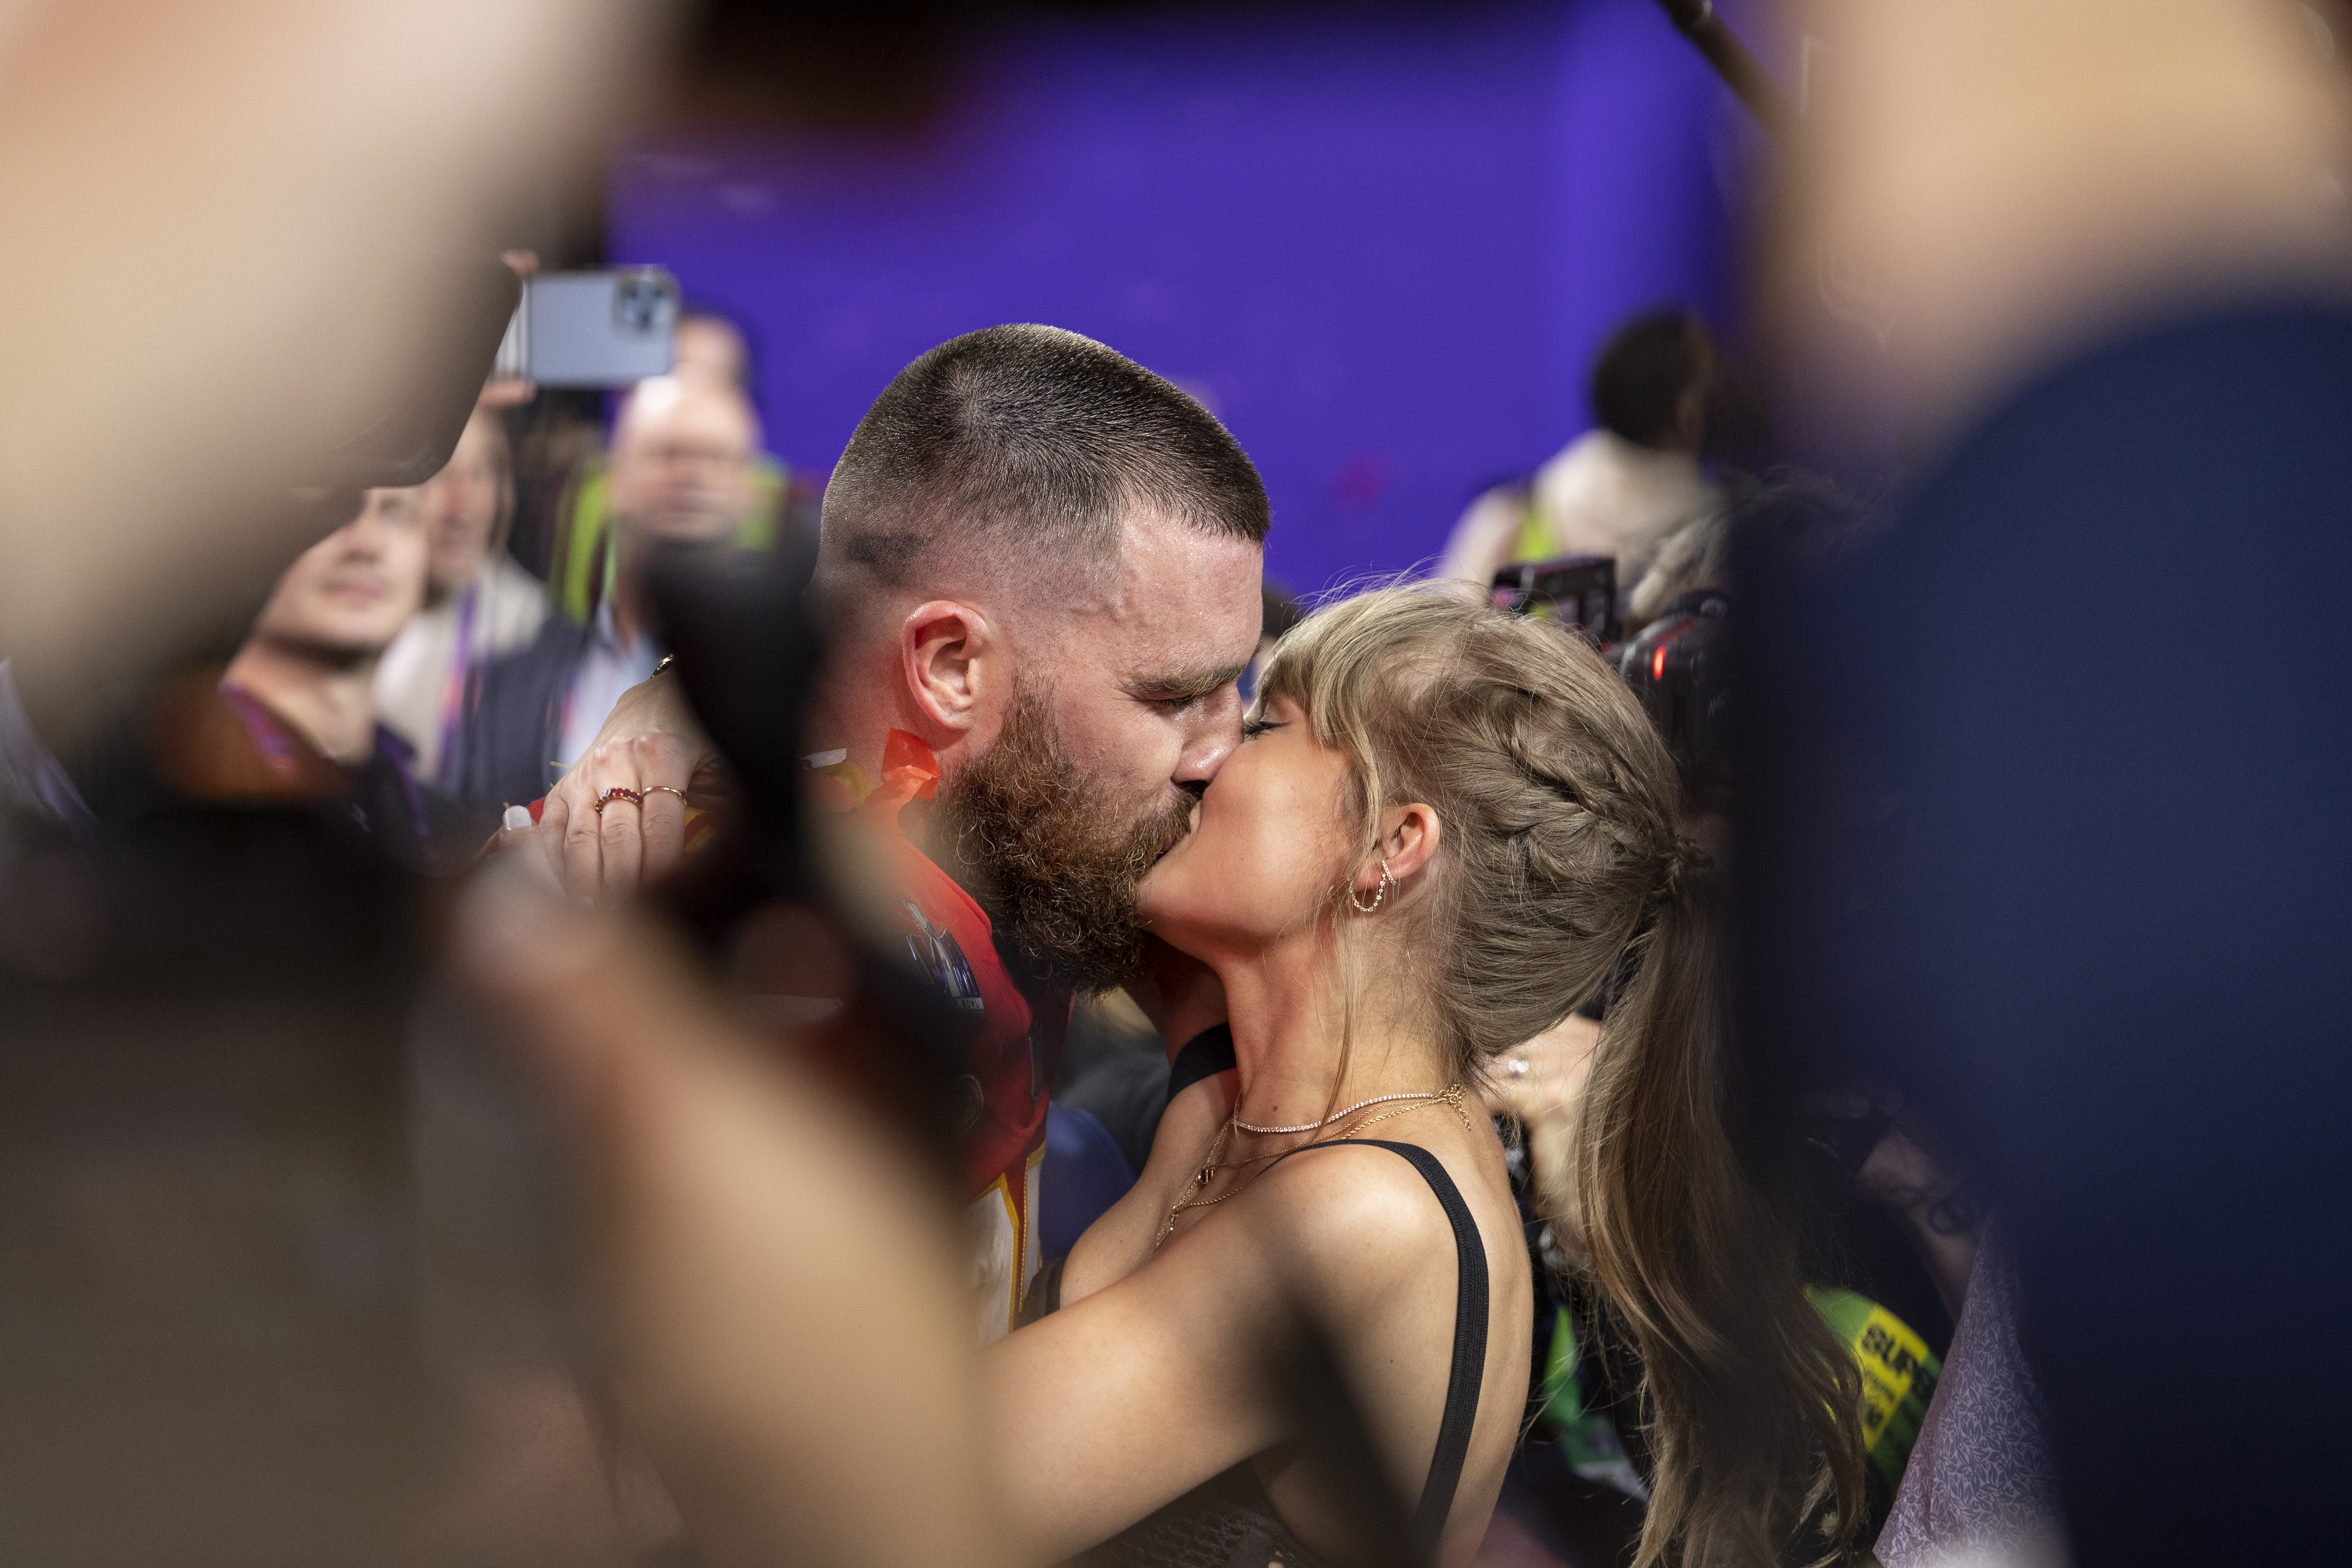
(1561, 859)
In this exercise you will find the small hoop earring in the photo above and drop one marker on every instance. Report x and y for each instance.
(1386, 881)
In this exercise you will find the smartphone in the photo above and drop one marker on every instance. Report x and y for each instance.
(591, 328)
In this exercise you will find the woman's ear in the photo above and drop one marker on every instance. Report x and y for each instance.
(1409, 837)
(944, 648)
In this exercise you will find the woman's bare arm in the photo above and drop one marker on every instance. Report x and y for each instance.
(1123, 1402)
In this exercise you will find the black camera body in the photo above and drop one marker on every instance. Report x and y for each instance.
(1578, 590)
(1679, 668)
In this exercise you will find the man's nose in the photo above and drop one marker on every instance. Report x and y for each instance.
(1219, 732)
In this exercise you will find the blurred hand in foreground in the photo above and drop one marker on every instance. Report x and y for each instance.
(784, 1330)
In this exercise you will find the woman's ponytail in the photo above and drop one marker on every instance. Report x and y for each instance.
(1753, 1406)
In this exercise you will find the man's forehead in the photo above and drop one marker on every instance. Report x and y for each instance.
(1188, 591)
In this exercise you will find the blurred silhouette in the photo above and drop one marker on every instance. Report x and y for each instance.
(1620, 489)
(478, 604)
(2017, 844)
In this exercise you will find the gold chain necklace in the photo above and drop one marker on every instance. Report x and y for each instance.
(1450, 1096)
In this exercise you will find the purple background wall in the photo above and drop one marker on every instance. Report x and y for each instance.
(1383, 245)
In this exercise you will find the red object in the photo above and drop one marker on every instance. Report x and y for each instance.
(910, 771)
(1658, 663)
(1009, 1073)
(913, 753)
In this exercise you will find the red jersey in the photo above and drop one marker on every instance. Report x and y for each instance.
(1007, 1080)
(1009, 1073)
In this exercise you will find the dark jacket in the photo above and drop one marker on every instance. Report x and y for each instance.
(513, 722)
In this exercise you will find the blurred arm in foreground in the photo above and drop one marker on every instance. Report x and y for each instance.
(2106, 245)
(277, 343)
(735, 1185)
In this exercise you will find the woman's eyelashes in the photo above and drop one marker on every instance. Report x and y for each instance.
(1253, 728)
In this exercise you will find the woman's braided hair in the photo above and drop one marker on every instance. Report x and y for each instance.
(1562, 859)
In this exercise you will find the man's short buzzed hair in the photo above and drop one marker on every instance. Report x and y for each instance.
(1022, 445)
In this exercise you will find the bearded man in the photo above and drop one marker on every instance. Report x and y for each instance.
(1041, 562)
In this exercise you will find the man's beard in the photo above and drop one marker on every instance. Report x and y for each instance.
(1050, 856)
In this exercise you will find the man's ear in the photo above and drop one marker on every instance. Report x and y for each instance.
(945, 649)
(1408, 839)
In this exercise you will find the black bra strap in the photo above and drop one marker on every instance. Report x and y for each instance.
(1470, 1313)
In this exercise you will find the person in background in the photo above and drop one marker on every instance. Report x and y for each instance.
(1620, 489)
(292, 719)
(478, 604)
(710, 347)
(681, 476)
(709, 350)
(1797, 514)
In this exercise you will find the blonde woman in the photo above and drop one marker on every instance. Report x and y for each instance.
(1445, 826)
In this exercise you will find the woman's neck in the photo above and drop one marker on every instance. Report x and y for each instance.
(1287, 1011)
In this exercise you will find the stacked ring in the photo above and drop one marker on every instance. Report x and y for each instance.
(668, 789)
(617, 792)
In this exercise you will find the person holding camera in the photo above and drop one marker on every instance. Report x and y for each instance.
(1620, 489)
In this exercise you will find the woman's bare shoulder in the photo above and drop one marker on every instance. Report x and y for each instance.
(1356, 1215)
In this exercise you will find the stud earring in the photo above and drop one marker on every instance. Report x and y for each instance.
(1386, 881)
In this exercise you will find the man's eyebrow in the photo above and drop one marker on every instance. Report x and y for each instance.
(1176, 686)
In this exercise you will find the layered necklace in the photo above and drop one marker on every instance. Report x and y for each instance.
(1449, 1096)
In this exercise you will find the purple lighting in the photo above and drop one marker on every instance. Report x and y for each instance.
(1381, 245)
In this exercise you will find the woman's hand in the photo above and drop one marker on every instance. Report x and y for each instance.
(651, 744)
(1540, 1086)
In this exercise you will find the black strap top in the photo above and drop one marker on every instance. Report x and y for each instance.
(1229, 1522)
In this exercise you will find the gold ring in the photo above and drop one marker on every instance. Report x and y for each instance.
(617, 792)
(668, 789)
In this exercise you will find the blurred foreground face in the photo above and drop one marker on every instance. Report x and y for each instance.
(348, 594)
(464, 504)
(681, 467)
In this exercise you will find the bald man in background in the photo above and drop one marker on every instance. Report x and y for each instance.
(681, 478)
